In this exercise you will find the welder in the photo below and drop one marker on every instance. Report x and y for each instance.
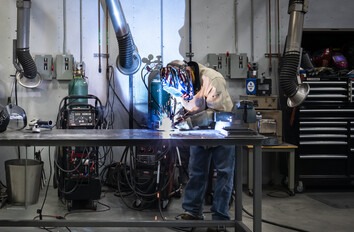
(200, 91)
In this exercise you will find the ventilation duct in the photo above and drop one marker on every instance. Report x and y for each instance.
(295, 92)
(29, 69)
(128, 60)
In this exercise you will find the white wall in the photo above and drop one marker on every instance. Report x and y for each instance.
(159, 27)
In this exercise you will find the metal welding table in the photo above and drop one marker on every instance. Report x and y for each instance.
(136, 137)
(284, 147)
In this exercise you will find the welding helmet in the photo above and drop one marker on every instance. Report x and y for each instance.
(18, 117)
(177, 80)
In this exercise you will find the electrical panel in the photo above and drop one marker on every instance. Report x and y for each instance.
(64, 66)
(233, 66)
(44, 64)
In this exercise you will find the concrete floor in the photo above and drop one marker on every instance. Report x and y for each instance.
(299, 211)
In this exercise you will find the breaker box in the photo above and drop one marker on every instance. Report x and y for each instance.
(44, 64)
(64, 67)
(233, 66)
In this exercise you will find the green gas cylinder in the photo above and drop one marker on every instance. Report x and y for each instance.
(78, 87)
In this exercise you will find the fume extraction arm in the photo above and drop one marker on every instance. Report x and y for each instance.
(128, 60)
(295, 92)
(27, 75)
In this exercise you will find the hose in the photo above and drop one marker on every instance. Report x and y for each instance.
(287, 73)
(29, 66)
(295, 92)
(128, 60)
(126, 51)
(22, 47)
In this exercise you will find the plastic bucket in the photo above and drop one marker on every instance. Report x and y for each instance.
(23, 179)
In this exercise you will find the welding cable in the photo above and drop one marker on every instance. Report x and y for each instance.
(275, 224)
(40, 211)
(88, 211)
(60, 112)
(107, 151)
(51, 216)
(109, 110)
(119, 177)
(75, 168)
(120, 193)
(73, 189)
(159, 187)
(79, 180)
(141, 195)
(133, 185)
(112, 88)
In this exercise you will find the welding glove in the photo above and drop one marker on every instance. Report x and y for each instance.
(184, 124)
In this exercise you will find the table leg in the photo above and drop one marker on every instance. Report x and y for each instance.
(257, 189)
(291, 170)
(238, 183)
(250, 171)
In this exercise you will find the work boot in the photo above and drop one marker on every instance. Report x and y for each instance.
(187, 216)
(217, 229)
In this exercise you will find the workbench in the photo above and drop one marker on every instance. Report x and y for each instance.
(136, 137)
(284, 147)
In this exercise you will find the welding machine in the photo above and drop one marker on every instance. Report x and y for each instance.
(77, 171)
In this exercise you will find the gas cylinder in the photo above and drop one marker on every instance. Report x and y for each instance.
(157, 102)
(78, 87)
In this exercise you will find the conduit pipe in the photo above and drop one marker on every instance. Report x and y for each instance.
(295, 92)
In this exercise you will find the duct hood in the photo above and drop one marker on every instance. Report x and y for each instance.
(128, 60)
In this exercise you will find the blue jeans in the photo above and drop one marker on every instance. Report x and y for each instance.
(223, 158)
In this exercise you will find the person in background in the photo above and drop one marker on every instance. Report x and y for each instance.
(199, 92)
